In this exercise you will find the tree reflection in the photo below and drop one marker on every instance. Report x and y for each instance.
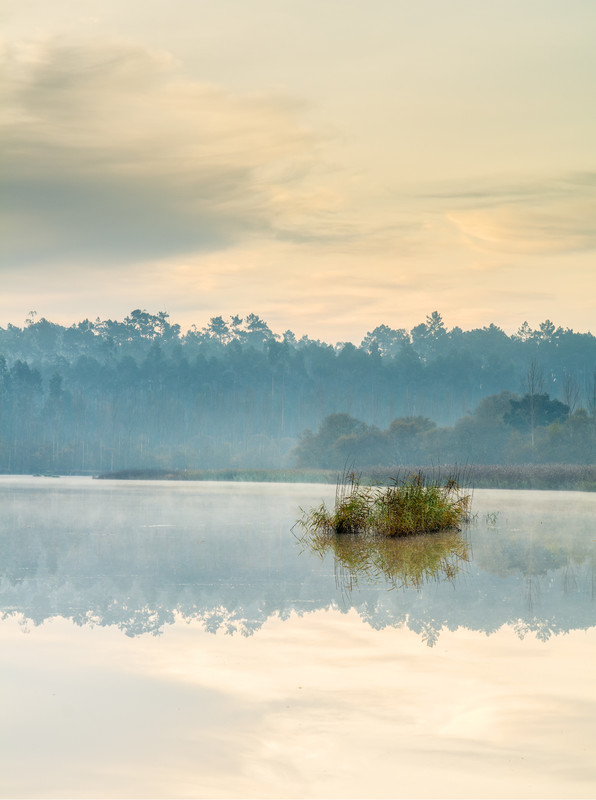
(398, 562)
(140, 560)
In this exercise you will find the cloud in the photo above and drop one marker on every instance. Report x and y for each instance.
(112, 154)
(553, 217)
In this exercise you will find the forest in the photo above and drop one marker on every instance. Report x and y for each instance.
(140, 393)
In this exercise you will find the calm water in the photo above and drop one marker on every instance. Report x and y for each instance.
(178, 640)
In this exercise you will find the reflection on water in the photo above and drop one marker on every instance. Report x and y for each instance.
(397, 562)
(335, 696)
(138, 555)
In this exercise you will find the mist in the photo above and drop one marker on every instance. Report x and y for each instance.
(140, 393)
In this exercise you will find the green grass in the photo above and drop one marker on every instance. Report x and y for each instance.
(404, 534)
(408, 506)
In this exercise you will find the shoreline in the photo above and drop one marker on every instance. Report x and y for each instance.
(553, 477)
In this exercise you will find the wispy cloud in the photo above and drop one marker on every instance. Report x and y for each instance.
(113, 154)
(556, 215)
(369, 186)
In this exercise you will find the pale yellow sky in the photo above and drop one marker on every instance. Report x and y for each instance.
(329, 166)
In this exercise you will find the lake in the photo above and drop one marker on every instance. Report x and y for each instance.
(165, 639)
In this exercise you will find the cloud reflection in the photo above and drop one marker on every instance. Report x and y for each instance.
(314, 706)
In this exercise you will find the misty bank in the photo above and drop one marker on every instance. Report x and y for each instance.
(562, 477)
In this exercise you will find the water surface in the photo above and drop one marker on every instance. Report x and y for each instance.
(177, 640)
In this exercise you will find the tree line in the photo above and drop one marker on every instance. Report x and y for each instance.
(105, 395)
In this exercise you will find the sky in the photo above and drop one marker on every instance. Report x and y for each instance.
(330, 165)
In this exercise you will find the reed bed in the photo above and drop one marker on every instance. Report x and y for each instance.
(570, 477)
(408, 506)
(231, 475)
(553, 477)
(577, 477)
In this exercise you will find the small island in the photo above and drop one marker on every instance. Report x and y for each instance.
(408, 506)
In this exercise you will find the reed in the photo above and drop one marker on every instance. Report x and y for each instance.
(408, 506)
(553, 477)
(578, 477)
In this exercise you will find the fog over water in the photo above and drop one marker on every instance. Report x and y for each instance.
(166, 639)
(274, 241)
(136, 554)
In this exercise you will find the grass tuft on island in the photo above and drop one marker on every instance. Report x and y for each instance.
(409, 506)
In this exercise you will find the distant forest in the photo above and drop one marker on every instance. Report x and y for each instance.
(108, 395)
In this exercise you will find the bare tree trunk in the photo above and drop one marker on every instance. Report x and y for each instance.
(571, 391)
(534, 385)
